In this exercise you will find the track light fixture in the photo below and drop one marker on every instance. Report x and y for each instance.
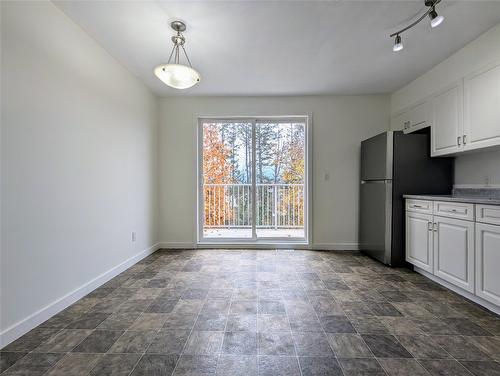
(398, 44)
(436, 20)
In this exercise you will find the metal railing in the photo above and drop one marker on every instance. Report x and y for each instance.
(277, 205)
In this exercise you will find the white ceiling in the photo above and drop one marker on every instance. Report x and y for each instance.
(283, 48)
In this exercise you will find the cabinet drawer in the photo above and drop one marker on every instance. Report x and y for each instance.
(454, 210)
(488, 214)
(419, 206)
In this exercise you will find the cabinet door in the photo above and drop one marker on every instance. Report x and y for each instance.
(454, 251)
(400, 121)
(419, 240)
(482, 108)
(419, 117)
(447, 121)
(488, 262)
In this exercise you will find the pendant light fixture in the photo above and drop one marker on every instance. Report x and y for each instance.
(436, 20)
(173, 73)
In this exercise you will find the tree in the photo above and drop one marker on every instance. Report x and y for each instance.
(294, 166)
(217, 169)
(265, 136)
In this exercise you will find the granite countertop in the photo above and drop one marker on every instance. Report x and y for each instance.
(456, 198)
(486, 196)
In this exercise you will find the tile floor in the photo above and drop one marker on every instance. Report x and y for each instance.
(220, 312)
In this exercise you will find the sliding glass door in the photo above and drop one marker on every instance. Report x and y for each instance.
(253, 179)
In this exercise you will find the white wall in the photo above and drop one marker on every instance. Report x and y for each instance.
(470, 168)
(339, 123)
(480, 168)
(78, 158)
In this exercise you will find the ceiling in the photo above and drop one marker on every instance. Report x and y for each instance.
(283, 47)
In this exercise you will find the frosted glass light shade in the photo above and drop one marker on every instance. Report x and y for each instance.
(398, 44)
(436, 21)
(177, 76)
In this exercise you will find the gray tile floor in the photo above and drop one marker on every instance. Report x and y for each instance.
(220, 312)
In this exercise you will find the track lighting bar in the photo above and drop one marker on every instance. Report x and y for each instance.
(436, 20)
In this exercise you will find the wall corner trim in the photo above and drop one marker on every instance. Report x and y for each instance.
(25, 325)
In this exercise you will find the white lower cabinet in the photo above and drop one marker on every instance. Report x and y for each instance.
(461, 252)
(419, 240)
(454, 251)
(488, 262)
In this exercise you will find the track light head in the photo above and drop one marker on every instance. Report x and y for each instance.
(398, 44)
(436, 19)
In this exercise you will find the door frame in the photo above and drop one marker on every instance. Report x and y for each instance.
(254, 242)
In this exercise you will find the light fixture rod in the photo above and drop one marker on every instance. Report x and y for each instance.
(187, 57)
(431, 7)
(171, 53)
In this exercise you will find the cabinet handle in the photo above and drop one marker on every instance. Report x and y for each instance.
(417, 206)
(429, 226)
(435, 227)
(464, 138)
(458, 140)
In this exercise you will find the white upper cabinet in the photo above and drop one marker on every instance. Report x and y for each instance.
(400, 121)
(447, 121)
(418, 117)
(482, 108)
(413, 118)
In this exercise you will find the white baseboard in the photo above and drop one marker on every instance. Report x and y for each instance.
(476, 299)
(22, 327)
(335, 246)
(318, 246)
(177, 245)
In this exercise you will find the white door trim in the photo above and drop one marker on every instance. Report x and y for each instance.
(200, 240)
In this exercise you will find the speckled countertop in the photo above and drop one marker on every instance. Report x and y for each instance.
(455, 198)
(487, 196)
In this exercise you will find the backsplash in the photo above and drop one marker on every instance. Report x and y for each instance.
(478, 170)
(489, 193)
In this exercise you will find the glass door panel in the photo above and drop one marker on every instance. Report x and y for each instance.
(280, 179)
(227, 156)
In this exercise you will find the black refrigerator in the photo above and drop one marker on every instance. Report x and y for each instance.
(393, 164)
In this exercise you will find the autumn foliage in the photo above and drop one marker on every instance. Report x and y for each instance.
(216, 170)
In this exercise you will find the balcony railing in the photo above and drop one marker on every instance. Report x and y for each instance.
(277, 206)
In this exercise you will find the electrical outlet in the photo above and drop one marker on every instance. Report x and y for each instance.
(134, 236)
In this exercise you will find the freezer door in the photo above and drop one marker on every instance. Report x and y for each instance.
(376, 157)
(375, 219)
